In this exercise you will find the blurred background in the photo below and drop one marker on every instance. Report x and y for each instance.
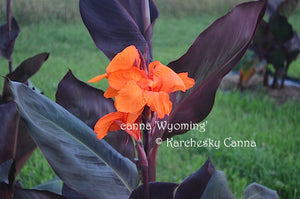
(28, 11)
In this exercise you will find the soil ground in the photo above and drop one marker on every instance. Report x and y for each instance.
(230, 82)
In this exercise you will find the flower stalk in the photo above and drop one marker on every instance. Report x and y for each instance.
(143, 163)
(146, 13)
(8, 18)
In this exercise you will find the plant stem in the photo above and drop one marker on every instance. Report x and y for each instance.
(143, 162)
(146, 15)
(8, 18)
(152, 163)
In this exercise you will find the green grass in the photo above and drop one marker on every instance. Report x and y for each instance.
(31, 11)
(275, 128)
(274, 162)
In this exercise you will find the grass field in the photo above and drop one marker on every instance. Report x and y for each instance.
(275, 128)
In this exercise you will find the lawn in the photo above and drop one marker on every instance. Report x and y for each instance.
(274, 127)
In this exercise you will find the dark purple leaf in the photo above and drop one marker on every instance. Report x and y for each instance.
(88, 165)
(4, 191)
(35, 194)
(9, 118)
(213, 54)
(158, 190)
(217, 187)
(23, 72)
(263, 40)
(195, 185)
(28, 68)
(5, 169)
(25, 146)
(6, 44)
(88, 104)
(15, 142)
(72, 194)
(116, 24)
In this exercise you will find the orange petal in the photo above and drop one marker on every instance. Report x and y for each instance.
(188, 82)
(105, 123)
(171, 82)
(110, 92)
(119, 79)
(131, 117)
(135, 133)
(124, 60)
(98, 78)
(159, 102)
(130, 98)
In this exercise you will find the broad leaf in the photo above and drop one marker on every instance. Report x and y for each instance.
(20, 193)
(213, 54)
(9, 118)
(6, 43)
(72, 194)
(4, 191)
(5, 168)
(86, 164)
(257, 191)
(217, 187)
(88, 104)
(54, 185)
(263, 40)
(15, 142)
(25, 146)
(24, 71)
(158, 190)
(194, 185)
(116, 24)
(28, 68)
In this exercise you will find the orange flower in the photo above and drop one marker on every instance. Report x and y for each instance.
(113, 121)
(134, 88)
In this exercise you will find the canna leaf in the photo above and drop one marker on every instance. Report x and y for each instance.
(24, 71)
(72, 194)
(35, 194)
(6, 44)
(28, 67)
(116, 24)
(194, 186)
(88, 104)
(213, 54)
(158, 190)
(15, 142)
(54, 185)
(84, 163)
(9, 118)
(4, 191)
(217, 187)
(5, 171)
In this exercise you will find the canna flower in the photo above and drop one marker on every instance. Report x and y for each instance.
(112, 122)
(134, 86)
